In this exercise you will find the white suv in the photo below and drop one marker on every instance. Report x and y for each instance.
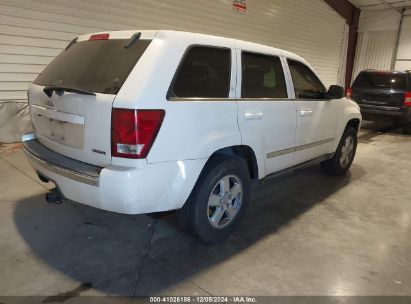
(151, 121)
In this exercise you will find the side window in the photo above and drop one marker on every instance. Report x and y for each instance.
(263, 77)
(204, 73)
(306, 83)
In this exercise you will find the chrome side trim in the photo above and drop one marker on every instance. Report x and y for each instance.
(314, 144)
(82, 178)
(299, 148)
(280, 153)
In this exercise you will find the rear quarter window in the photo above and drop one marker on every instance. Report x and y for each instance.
(100, 66)
(205, 72)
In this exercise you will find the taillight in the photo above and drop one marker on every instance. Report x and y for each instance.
(407, 99)
(99, 37)
(349, 93)
(133, 131)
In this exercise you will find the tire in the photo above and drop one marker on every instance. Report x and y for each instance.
(407, 129)
(345, 154)
(218, 200)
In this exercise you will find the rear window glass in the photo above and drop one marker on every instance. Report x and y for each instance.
(205, 72)
(373, 80)
(100, 66)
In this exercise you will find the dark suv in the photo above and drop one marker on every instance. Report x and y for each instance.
(383, 94)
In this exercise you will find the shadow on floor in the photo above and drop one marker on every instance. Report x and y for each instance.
(105, 250)
(372, 129)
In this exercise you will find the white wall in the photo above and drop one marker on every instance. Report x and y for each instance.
(375, 50)
(403, 60)
(377, 44)
(32, 32)
(377, 36)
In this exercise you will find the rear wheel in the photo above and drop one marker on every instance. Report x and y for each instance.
(218, 200)
(407, 129)
(344, 156)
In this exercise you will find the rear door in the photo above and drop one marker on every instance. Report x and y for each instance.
(380, 89)
(316, 116)
(266, 115)
(71, 100)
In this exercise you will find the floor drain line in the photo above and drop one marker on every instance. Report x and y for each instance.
(146, 252)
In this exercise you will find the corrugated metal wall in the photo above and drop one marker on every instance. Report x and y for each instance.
(403, 60)
(32, 32)
(375, 50)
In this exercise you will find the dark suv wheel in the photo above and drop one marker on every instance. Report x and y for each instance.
(407, 129)
(218, 200)
(344, 156)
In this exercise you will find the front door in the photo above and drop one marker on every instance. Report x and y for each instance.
(316, 116)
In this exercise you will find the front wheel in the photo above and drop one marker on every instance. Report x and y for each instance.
(344, 156)
(218, 200)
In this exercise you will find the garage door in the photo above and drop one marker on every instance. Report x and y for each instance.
(32, 32)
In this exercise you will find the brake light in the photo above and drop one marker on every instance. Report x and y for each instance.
(99, 37)
(133, 132)
(407, 99)
(349, 93)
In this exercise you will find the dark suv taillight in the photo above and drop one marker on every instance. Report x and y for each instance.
(349, 93)
(133, 132)
(407, 99)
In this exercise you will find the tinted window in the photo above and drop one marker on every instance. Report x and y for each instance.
(100, 66)
(263, 77)
(204, 73)
(381, 80)
(306, 83)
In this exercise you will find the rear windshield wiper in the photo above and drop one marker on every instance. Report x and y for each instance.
(133, 40)
(60, 89)
(71, 43)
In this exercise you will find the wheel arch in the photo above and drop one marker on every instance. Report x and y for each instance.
(355, 123)
(245, 153)
(352, 118)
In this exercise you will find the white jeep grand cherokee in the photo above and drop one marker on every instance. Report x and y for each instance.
(150, 121)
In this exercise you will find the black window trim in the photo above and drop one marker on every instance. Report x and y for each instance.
(170, 88)
(280, 56)
(288, 59)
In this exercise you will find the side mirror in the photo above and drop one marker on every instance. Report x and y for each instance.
(335, 92)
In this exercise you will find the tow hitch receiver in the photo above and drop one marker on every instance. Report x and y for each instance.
(54, 197)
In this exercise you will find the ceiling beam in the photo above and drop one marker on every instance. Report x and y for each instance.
(397, 5)
(392, 6)
(344, 8)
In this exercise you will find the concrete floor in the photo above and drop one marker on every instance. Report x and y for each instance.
(304, 234)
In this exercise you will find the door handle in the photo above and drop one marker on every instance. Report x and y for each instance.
(306, 112)
(253, 115)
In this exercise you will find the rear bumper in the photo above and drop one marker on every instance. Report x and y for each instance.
(51, 161)
(153, 188)
(373, 113)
